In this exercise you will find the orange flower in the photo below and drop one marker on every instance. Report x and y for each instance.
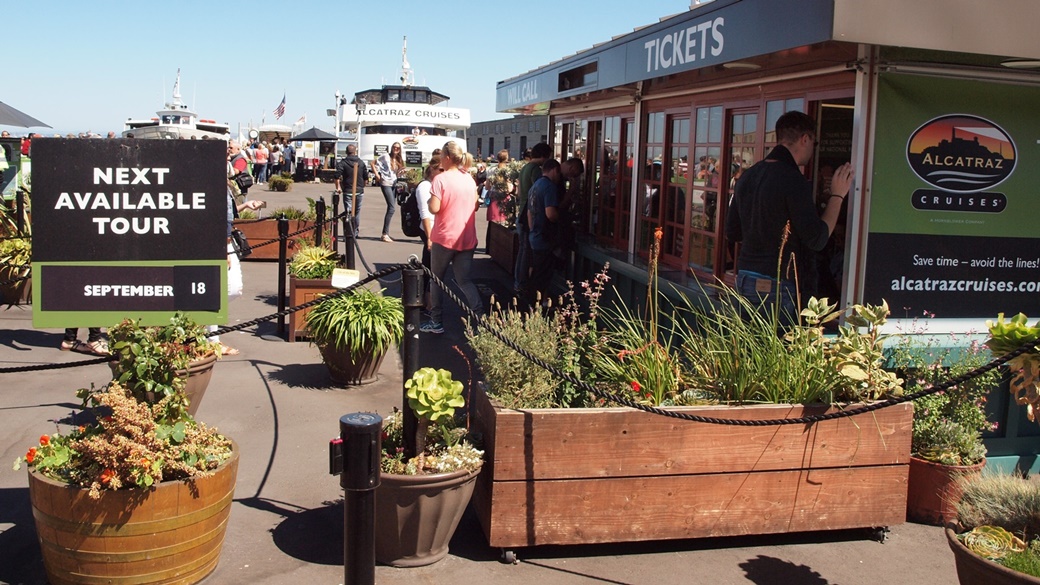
(636, 387)
(82, 429)
(658, 233)
(31, 454)
(107, 475)
(44, 440)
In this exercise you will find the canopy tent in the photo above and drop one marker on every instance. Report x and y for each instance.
(11, 117)
(314, 134)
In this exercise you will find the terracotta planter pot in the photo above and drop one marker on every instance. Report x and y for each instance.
(975, 570)
(346, 371)
(16, 293)
(170, 534)
(198, 375)
(416, 516)
(932, 491)
(304, 290)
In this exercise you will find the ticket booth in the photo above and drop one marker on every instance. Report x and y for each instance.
(933, 102)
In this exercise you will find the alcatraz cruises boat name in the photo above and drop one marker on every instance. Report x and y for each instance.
(406, 113)
(176, 121)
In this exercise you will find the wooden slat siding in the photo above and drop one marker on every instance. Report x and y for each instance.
(622, 442)
(693, 506)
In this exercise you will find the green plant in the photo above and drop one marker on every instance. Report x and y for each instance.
(360, 321)
(998, 499)
(1001, 513)
(313, 262)
(148, 358)
(440, 444)
(247, 214)
(565, 337)
(734, 355)
(291, 212)
(282, 182)
(131, 446)
(948, 424)
(1006, 337)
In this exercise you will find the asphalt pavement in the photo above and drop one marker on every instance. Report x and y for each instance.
(286, 526)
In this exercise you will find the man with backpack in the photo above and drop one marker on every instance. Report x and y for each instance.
(351, 176)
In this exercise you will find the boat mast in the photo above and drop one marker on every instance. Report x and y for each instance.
(176, 104)
(407, 76)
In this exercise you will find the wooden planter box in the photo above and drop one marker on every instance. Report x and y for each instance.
(303, 290)
(577, 476)
(258, 231)
(502, 245)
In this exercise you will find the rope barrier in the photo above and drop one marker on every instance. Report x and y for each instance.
(599, 392)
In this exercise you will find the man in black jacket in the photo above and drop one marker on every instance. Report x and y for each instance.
(773, 215)
(351, 176)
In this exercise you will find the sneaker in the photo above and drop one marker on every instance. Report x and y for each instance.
(432, 327)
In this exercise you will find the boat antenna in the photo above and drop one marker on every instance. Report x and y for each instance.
(176, 92)
(407, 76)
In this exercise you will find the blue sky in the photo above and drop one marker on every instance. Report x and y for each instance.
(88, 66)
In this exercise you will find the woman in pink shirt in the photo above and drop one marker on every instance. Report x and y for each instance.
(453, 202)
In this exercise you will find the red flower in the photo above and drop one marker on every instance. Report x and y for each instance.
(107, 475)
(31, 454)
(636, 387)
(44, 440)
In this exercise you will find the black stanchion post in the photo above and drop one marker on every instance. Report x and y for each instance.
(335, 224)
(361, 434)
(319, 223)
(283, 244)
(348, 240)
(412, 298)
(19, 209)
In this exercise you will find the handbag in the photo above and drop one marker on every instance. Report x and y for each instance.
(240, 244)
(244, 180)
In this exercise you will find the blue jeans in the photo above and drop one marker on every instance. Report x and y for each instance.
(259, 172)
(763, 292)
(388, 194)
(461, 263)
(348, 201)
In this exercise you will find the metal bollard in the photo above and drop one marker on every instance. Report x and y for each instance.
(283, 254)
(412, 298)
(360, 444)
(335, 225)
(319, 223)
(348, 239)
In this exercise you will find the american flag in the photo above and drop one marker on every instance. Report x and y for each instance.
(280, 110)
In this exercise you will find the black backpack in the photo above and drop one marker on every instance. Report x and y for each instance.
(411, 224)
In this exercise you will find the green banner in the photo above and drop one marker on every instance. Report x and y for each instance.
(954, 198)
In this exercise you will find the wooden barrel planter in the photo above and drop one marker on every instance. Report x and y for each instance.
(170, 534)
(416, 515)
(933, 492)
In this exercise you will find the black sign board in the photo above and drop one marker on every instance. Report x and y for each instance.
(413, 158)
(127, 228)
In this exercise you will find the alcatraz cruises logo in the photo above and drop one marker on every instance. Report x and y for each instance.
(962, 156)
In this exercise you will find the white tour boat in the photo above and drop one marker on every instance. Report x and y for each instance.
(176, 121)
(406, 113)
